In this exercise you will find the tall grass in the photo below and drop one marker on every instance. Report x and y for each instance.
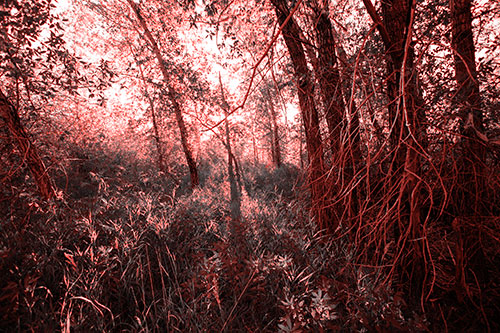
(137, 256)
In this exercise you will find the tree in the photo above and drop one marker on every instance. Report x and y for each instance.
(468, 101)
(275, 138)
(321, 208)
(172, 95)
(266, 102)
(327, 74)
(406, 118)
(233, 173)
(10, 117)
(156, 130)
(342, 120)
(31, 72)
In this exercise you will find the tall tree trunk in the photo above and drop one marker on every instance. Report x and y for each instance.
(404, 104)
(172, 95)
(10, 116)
(321, 208)
(395, 13)
(404, 121)
(468, 198)
(328, 76)
(468, 101)
(346, 77)
(343, 122)
(235, 194)
(405, 107)
(405, 118)
(254, 146)
(301, 150)
(159, 148)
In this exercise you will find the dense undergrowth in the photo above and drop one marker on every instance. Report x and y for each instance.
(123, 249)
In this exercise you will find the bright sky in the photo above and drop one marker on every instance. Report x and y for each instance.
(62, 6)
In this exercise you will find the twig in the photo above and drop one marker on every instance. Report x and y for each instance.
(237, 301)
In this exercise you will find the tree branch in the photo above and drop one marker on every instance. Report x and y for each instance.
(378, 21)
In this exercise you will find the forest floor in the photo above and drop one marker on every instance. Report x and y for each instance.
(127, 250)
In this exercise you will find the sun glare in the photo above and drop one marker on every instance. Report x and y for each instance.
(62, 6)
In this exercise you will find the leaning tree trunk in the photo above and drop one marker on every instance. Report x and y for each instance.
(468, 101)
(10, 116)
(172, 96)
(321, 208)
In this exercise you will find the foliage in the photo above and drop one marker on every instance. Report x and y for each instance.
(141, 258)
(281, 181)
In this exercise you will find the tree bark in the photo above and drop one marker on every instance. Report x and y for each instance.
(159, 148)
(406, 113)
(468, 101)
(406, 116)
(254, 145)
(468, 198)
(321, 208)
(467, 96)
(10, 116)
(342, 121)
(328, 76)
(172, 95)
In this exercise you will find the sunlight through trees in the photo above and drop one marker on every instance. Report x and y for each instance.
(262, 165)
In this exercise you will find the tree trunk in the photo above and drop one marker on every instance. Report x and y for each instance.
(275, 139)
(156, 131)
(469, 197)
(172, 95)
(468, 101)
(407, 134)
(254, 145)
(321, 208)
(159, 148)
(343, 123)
(405, 106)
(237, 229)
(327, 74)
(346, 75)
(235, 193)
(10, 116)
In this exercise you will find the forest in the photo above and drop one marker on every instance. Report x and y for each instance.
(249, 166)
